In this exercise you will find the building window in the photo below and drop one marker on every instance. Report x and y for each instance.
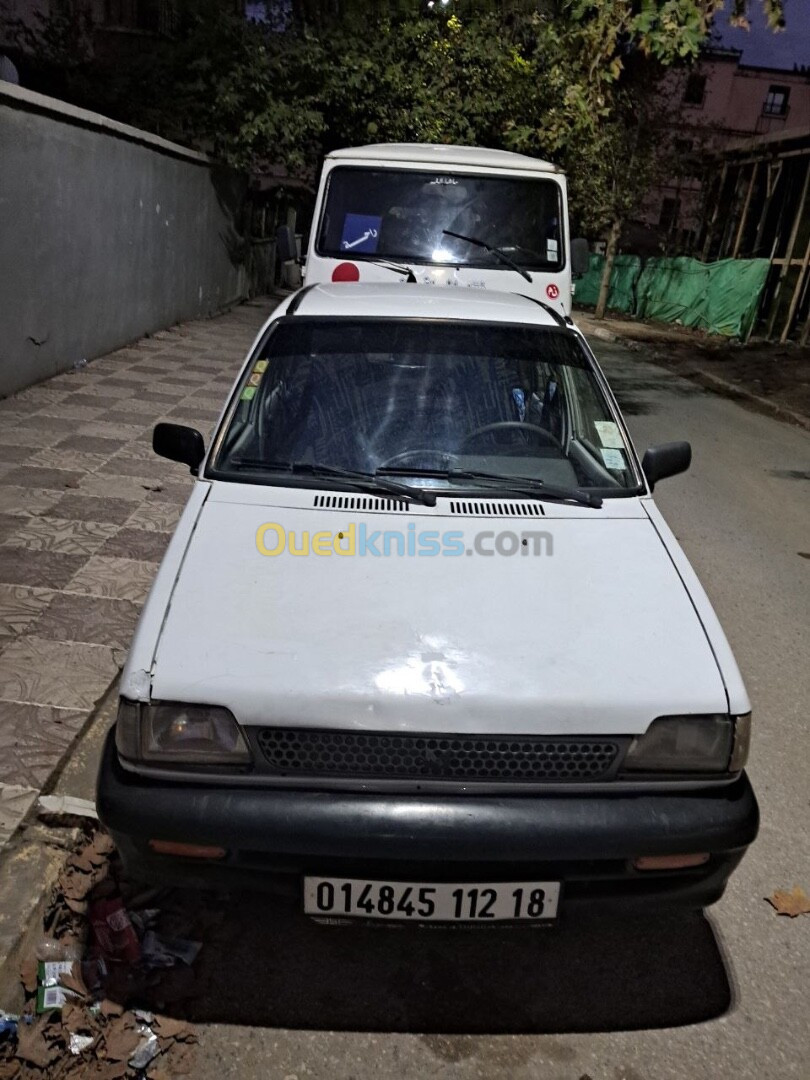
(668, 219)
(695, 91)
(776, 101)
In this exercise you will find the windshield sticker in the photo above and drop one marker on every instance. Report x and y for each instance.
(248, 393)
(361, 232)
(445, 180)
(609, 434)
(613, 459)
(551, 249)
(254, 379)
(260, 367)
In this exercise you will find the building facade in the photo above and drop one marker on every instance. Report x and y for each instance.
(718, 103)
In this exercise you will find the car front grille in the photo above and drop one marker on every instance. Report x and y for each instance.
(383, 756)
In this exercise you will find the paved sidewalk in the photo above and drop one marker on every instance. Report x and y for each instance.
(86, 512)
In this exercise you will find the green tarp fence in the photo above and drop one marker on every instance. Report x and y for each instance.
(720, 297)
(623, 278)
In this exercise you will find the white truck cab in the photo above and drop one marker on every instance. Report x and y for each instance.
(457, 216)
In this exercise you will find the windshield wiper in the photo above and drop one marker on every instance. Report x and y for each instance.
(364, 481)
(410, 276)
(527, 486)
(493, 250)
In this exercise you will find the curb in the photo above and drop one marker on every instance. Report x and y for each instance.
(756, 403)
(31, 860)
(707, 379)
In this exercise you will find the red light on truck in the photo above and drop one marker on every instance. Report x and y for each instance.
(346, 272)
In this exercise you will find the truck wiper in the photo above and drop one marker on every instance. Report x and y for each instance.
(410, 276)
(493, 250)
(362, 480)
(536, 489)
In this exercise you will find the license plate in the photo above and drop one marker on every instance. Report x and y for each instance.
(415, 901)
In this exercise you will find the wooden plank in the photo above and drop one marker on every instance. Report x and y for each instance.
(769, 156)
(710, 228)
(788, 255)
(744, 216)
(723, 252)
(797, 292)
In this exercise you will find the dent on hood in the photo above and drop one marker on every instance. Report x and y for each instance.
(136, 685)
(430, 671)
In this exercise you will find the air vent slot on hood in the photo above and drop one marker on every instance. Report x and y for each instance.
(479, 508)
(361, 502)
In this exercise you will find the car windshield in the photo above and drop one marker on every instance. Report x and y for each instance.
(430, 401)
(402, 214)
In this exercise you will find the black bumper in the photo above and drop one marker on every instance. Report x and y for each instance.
(586, 841)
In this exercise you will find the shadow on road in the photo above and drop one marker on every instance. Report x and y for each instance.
(267, 965)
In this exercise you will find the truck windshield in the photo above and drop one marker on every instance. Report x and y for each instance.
(401, 214)
(428, 402)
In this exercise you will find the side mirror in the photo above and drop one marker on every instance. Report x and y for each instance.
(665, 460)
(580, 257)
(285, 244)
(179, 443)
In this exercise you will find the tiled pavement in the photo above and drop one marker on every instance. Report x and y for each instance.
(86, 512)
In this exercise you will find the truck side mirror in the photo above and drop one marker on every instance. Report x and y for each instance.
(285, 244)
(665, 460)
(580, 257)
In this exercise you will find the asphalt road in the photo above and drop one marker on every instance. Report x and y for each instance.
(675, 997)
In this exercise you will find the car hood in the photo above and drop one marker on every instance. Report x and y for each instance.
(597, 636)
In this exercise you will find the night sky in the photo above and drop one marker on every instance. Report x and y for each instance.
(760, 45)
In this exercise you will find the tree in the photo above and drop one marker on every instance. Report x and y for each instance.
(566, 79)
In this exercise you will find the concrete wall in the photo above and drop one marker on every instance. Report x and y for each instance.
(106, 233)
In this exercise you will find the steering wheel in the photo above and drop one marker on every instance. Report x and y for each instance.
(509, 425)
(403, 455)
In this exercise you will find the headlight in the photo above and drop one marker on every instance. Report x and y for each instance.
(180, 734)
(689, 744)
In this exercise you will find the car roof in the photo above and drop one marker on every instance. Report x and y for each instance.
(438, 154)
(406, 301)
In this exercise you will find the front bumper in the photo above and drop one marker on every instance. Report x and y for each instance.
(586, 841)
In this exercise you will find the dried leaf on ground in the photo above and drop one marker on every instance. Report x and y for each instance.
(169, 1028)
(28, 974)
(73, 980)
(111, 1008)
(105, 1070)
(121, 1038)
(74, 884)
(77, 1020)
(36, 1045)
(794, 902)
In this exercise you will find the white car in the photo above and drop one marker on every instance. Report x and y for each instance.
(422, 642)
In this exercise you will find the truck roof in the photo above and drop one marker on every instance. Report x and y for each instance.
(403, 301)
(439, 154)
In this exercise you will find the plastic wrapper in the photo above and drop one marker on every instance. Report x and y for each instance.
(113, 930)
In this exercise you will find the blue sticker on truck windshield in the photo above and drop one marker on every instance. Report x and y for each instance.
(361, 232)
